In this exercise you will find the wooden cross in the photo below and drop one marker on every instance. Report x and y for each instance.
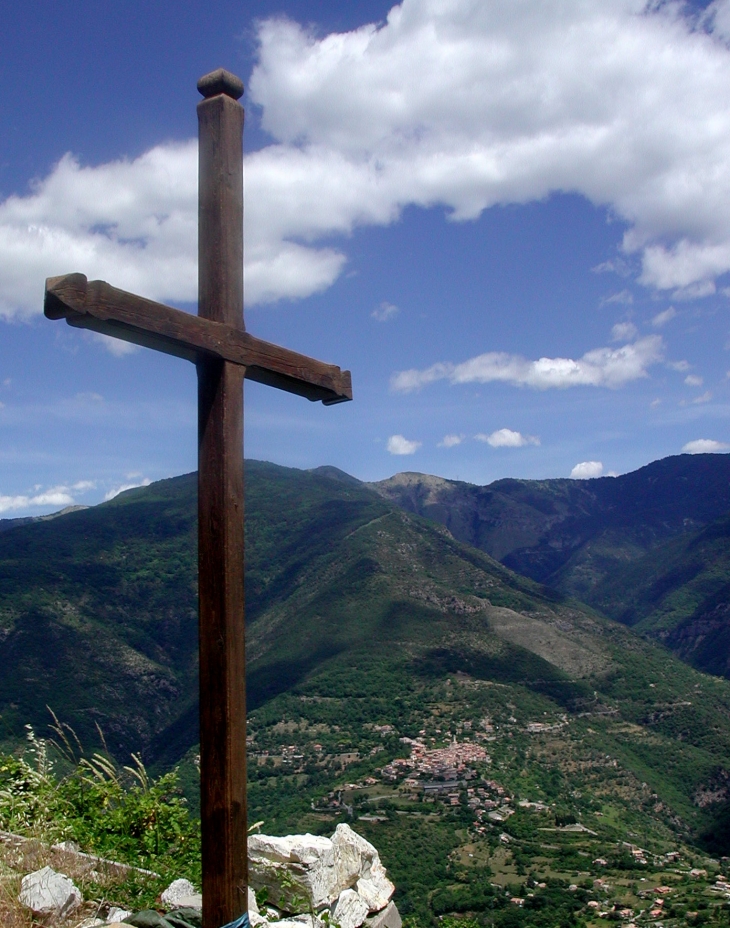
(217, 343)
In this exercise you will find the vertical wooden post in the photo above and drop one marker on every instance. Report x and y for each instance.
(220, 509)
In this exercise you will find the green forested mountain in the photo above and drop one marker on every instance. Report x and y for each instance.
(648, 548)
(478, 726)
(570, 534)
(679, 592)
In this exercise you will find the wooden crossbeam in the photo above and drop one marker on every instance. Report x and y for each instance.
(96, 305)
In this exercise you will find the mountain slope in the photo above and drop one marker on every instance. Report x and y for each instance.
(98, 621)
(570, 534)
(679, 593)
(377, 645)
(647, 547)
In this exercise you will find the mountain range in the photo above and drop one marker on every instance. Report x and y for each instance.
(647, 549)
(411, 611)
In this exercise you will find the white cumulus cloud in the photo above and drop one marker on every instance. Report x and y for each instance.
(131, 222)
(134, 223)
(601, 367)
(54, 496)
(398, 444)
(451, 441)
(507, 438)
(115, 491)
(456, 104)
(705, 446)
(471, 104)
(586, 470)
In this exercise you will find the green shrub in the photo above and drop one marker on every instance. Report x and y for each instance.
(121, 814)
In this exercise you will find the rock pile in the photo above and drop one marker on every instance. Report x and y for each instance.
(306, 876)
(306, 881)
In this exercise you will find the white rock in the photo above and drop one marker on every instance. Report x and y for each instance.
(310, 921)
(354, 852)
(296, 921)
(297, 870)
(305, 849)
(175, 892)
(253, 906)
(48, 893)
(70, 846)
(256, 920)
(303, 872)
(93, 923)
(350, 910)
(190, 902)
(115, 914)
(388, 918)
(377, 890)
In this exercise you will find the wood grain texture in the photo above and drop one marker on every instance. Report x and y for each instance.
(220, 518)
(98, 306)
(222, 646)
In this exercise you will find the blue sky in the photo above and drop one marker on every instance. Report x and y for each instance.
(509, 218)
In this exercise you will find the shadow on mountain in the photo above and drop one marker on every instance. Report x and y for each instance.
(262, 684)
(512, 665)
(716, 837)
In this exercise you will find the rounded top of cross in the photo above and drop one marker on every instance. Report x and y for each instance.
(220, 81)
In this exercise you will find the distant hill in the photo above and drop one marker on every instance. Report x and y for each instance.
(621, 544)
(371, 630)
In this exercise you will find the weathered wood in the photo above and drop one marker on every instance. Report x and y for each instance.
(98, 306)
(225, 354)
(222, 649)
(220, 513)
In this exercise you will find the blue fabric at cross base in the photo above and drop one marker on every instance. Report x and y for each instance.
(180, 918)
(241, 922)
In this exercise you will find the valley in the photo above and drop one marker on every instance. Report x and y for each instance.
(515, 755)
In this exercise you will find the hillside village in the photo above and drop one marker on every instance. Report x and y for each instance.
(517, 841)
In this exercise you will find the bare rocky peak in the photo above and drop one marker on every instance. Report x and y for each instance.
(427, 486)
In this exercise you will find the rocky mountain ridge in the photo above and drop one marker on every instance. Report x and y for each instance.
(646, 548)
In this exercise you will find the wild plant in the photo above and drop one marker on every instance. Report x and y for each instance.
(118, 813)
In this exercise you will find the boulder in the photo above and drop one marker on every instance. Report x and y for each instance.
(309, 921)
(350, 910)
(375, 891)
(307, 872)
(255, 918)
(49, 894)
(388, 918)
(372, 885)
(176, 892)
(298, 871)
